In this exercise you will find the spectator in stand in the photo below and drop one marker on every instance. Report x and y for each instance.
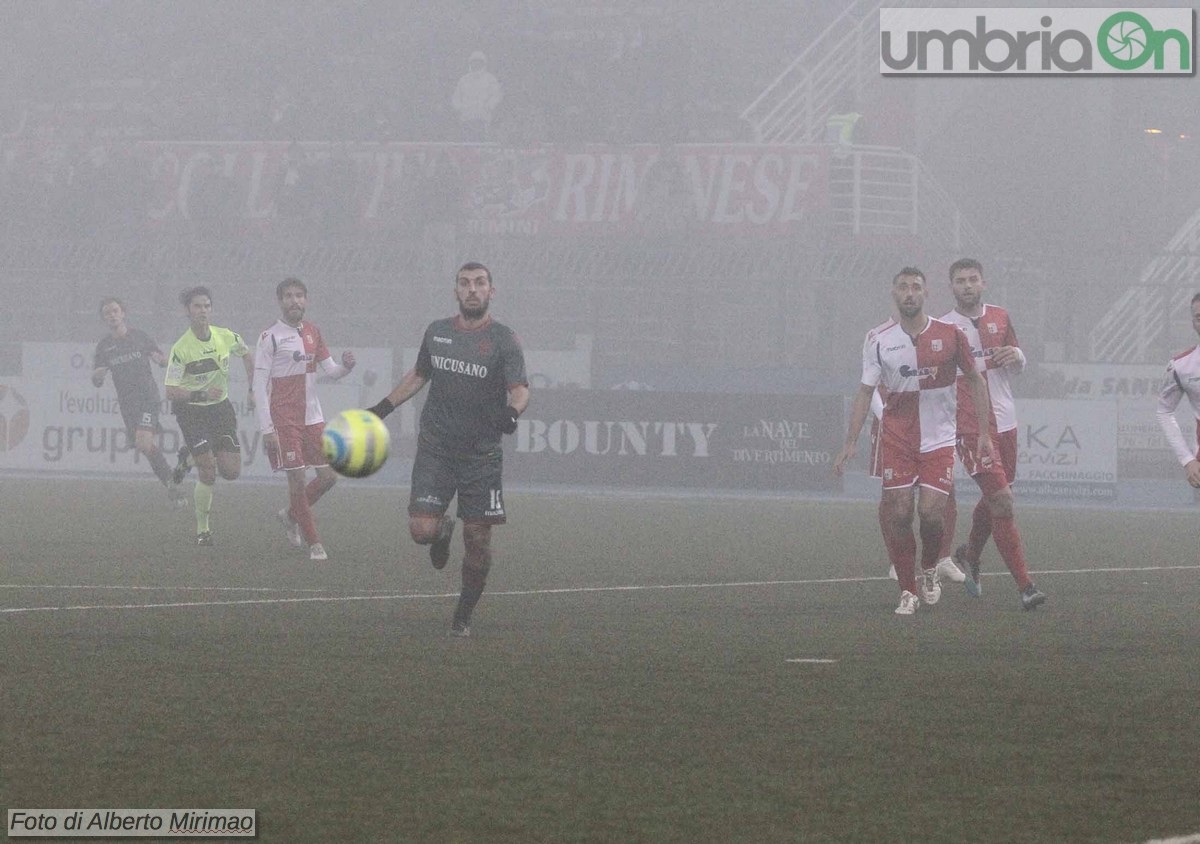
(475, 98)
(844, 126)
(282, 114)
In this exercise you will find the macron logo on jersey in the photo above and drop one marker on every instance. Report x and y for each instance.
(446, 340)
(476, 370)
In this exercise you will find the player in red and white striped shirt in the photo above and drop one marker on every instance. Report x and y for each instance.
(945, 565)
(877, 398)
(1183, 379)
(997, 357)
(289, 414)
(915, 363)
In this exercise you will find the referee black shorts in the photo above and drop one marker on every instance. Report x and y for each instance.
(208, 427)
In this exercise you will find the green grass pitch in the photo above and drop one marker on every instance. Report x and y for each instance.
(633, 673)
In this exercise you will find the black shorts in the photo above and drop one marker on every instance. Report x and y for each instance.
(436, 478)
(208, 427)
(139, 413)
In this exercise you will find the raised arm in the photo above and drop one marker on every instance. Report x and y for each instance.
(408, 387)
(337, 370)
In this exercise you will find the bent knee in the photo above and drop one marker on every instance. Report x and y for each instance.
(1000, 504)
(424, 529)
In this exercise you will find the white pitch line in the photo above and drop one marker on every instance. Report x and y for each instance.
(566, 590)
(812, 660)
(1184, 839)
(1098, 570)
(86, 586)
(248, 601)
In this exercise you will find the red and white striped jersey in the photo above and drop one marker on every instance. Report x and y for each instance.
(877, 397)
(285, 373)
(986, 333)
(1183, 379)
(918, 376)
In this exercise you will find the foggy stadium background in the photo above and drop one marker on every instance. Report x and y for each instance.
(691, 261)
(148, 146)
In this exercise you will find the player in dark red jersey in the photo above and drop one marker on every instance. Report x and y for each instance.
(479, 388)
(126, 353)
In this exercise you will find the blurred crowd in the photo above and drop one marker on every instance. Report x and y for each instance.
(81, 79)
(513, 72)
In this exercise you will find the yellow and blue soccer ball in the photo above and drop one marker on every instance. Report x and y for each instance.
(356, 443)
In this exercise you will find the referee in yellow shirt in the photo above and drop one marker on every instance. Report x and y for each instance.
(197, 383)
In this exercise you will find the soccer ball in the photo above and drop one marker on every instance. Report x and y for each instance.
(356, 443)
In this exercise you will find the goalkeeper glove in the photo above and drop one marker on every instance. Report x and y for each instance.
(383, 408)
(507, 422)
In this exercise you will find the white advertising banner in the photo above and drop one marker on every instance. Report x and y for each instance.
(76, 429)
(1108, 380)
(1067, 449)
(53, 420)
(1142, 450)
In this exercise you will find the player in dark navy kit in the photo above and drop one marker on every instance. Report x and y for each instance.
(479, 388)
(126, 353)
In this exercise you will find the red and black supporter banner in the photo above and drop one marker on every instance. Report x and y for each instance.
(260, 186)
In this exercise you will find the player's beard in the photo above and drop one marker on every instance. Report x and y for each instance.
(969, 301)
(472, 311)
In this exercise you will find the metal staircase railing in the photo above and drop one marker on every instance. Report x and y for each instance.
(883, 191)
(844, 57)
(873, 190)
(1139, 326)
(1131, 327)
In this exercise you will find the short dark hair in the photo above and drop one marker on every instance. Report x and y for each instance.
(965, 264)
(474, 265)
(290, 281)
(908, 271)
(108, 300)
(1196, 298)
(191, 293)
